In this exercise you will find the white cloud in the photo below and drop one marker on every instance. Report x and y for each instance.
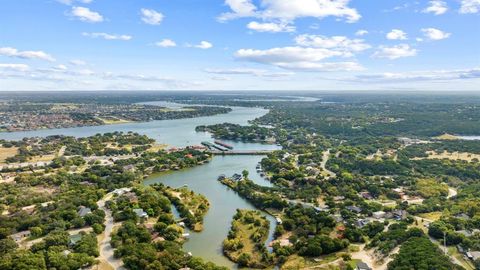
(288, 10)
(77, 62)
(361, 32)
(395, 52)
(12, 52)
(435, 34)
(61, 67)
(437, 7)
(150, 16)
(86, 15)
(202, 45)
(240, 8)
(338, 43)
(107, 36)
(298, 58)
(434, 75)
(271, 27)
(248, 71)
(71, 2)
(14, 67)
(166, 43)
(397, 34)
(323, 66)
(470, 6)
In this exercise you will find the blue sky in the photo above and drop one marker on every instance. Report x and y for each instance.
(240, 45)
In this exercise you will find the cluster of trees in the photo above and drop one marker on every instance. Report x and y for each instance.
(227, 131)
(136, 245)
(54, 252)
(191, 206)
(245, 244)
(261, 197)
(421, 253)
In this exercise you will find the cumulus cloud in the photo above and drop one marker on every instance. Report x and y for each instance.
(107, 36)
(435, 34)
(166, 43)
(397, 34)
(361, 32)
(470, 6)
(297, 58)
(14, 67)
(288, 10)
(150, 16)
(437, 7)
(395, 52)
(86, 15)
(338, 43)
(270, 27)
(240, 8)
(202, 45)
(12, 52)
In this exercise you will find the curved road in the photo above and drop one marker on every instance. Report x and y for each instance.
(105, 247)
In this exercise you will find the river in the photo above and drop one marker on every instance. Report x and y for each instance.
(201, 179)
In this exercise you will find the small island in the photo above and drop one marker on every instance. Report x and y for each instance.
(245, 243)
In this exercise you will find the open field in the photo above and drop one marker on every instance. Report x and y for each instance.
(7, 152)
(451, 155)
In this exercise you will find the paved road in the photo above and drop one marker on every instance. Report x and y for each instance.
(106, 250)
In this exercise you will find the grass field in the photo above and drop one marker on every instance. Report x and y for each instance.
(7, 152)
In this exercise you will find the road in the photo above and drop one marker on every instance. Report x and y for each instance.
(323, 164)
(105, 247)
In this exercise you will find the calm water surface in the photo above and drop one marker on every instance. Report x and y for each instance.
(201, 179)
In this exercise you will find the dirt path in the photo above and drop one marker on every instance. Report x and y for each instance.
(105, 247)
(323, 164)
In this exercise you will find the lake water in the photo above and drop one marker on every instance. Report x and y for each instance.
(201, 179)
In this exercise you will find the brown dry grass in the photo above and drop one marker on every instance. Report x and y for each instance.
(7, 152)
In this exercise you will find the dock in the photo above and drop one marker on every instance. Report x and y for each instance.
(242, 152)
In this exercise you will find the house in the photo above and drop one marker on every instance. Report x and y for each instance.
(129, 168)
(366, 195)
(355, 209)
(140, 213)
(74, 239)
(363, 266)
(17, 237)
(279, 220)
(399, 214)
(465, 233)
(473, 255)
(83, 211)
(120, 191)
(462, 216)
(361, 223)
(237, 177)
(379, 214)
